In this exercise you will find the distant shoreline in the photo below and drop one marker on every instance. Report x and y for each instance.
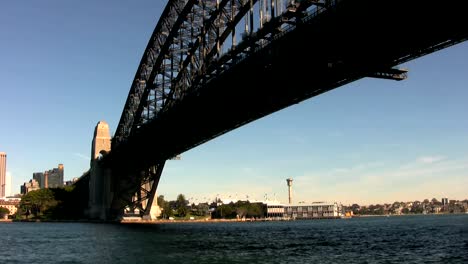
(391, 215)
(175, 221)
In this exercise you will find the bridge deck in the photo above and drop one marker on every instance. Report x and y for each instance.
(352, 41)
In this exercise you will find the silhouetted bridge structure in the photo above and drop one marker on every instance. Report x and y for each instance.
(212, 66)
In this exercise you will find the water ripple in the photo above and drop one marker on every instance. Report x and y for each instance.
(411, 239)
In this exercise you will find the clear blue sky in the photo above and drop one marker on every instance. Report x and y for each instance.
(65, 65)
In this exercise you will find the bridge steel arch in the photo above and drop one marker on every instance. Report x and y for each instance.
(189, 52)
(186, 40)
(187, 36)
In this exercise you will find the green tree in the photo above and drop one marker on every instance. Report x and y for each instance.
(181, 201)
(161, 201)
(225, 211)
(182, 211)
(435, 201)
(4, 211)
(416, 209)
(240, 209)
(181, 205)
(379, 211)
(167, 211)
(202, 209)
(36, 202)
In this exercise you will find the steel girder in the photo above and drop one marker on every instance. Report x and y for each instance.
(195, 58)
(146, 67)
(271, 28)
(187, 38)
(181, 49)
(142, 190)
(167, 48)
(185, 53)
(186, 49)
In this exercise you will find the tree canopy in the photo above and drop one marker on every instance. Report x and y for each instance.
(240, 209)
(181, 205)
(36, 202)
(4, 211)
(55, 203)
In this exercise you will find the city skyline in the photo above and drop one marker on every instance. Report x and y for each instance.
(67, 66)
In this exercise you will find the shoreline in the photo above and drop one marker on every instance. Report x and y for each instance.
(178, 221)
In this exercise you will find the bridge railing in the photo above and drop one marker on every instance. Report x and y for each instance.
(254, 44)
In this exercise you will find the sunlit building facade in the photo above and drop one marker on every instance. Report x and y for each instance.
(313, 211)
(274, 210)
(3, 157)
(39, 177)
(54, 177)
(32, 185)
(11, 204)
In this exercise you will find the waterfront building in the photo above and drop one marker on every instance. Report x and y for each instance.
(314, 210)
(11, 204)
(274, 209)
(3, 157)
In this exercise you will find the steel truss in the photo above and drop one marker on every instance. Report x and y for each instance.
(189, 37)
(143, 196)
(186, 49)
(146, 67)
(190, 47)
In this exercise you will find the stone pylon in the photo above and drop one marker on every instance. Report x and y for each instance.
(100, 193)
(101, 141)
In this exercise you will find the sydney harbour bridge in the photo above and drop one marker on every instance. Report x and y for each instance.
(214, 65)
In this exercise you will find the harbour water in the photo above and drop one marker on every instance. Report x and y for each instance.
(396, 239)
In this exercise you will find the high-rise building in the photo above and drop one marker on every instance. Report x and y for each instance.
(8, 184)
(55, 177)
(32, 185)
(444, 201)
(46, 179)
(39, 177)
(3, 157)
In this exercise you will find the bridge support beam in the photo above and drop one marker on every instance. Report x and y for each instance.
(391, 74)
(133, 193)
(151, 209)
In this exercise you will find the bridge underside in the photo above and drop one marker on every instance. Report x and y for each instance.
(354, 40)
(350, 41)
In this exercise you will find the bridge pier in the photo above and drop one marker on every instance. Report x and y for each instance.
(115, 187)
(100, 191)
(100, 185)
